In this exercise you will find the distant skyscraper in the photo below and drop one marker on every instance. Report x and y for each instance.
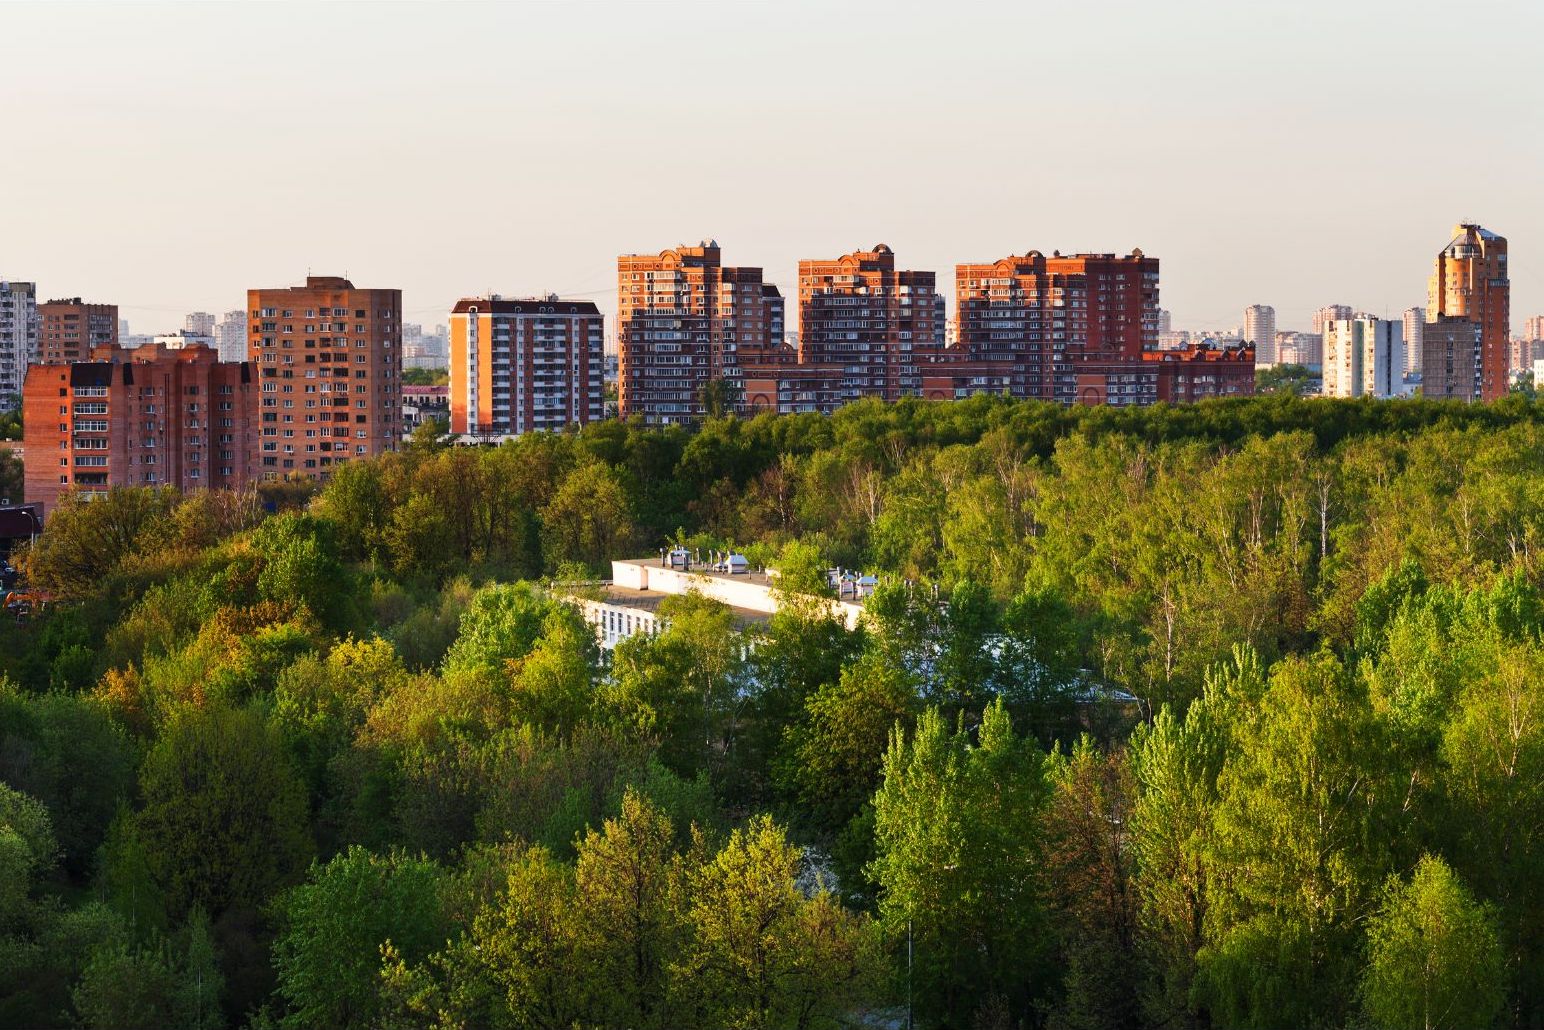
(524, 365)
(1520, 355)
(1415, 322)
(18, 338)
(1363, 357)
(1533, 328)
(1165, 322)
(69, 329)
(123, 328)
(330, 359)
(230, 336)
(199, 323)
(1299, 348)
(1471, 282)
(1329, 314)
(1260, 330)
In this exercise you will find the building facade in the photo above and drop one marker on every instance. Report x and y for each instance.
(1451, 364)
(685, 320)
(1471, 282)
(1072, 329)
(230, 336)
(1414, 323)
(149, 416)
(1294, 348)
(519, 366)
(69, 330)
(1331, 313)
(1075, 329)
(1364, 357)
(1260, 331)
(329, 360)
(860, 314)
(199, 323)
(18, 337)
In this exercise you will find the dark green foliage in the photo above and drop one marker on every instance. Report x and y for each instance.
(1222, 715)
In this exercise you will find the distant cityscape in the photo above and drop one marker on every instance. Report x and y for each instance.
(309, 377)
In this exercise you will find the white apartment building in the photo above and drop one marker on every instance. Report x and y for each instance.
(1260, 330)
(1364, 357)
(199, 323)
(18, 337)
(230, 336)
(1415, 324)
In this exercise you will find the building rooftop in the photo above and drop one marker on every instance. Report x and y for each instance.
(498, 305)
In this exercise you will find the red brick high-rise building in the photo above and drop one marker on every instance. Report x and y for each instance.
(1065, 324)
(147, 416)
(522, 365)
(685, 320)
(862, 316)
(329, 360)
(1081, 329)
(69, 330)
(1470, 282)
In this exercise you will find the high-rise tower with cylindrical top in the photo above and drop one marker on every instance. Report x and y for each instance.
(1471, 283)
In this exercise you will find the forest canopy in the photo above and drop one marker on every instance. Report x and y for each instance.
(1225, 715)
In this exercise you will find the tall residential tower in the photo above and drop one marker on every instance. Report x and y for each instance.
(1260, 330)
(684, 321)
(18, 337)
(329, 358)
(523, 365)
(1470, 282)
(69, 329)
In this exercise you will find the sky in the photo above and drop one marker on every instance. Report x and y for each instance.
(167, 157)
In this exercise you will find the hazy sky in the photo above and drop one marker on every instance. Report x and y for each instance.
(167, 157)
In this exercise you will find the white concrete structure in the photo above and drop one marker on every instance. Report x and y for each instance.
(1260, 330)
(1415, 323)
(1364, 357)
(751, 591)
(616, 622)
(18, 338)
(183, 338)
(199, 323)
(230, 336)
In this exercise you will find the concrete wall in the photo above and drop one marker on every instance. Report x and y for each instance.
(752, 596)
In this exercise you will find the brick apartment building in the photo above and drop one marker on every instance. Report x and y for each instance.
(519, 365)
(329, 360)
(1081, 329)
(1452, 359)
(862, 317)
(1060, 321)
(147, 416)
(1471, 282)
(684, 320)
(69, 330)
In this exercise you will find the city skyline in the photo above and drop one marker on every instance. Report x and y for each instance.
(575, 165)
